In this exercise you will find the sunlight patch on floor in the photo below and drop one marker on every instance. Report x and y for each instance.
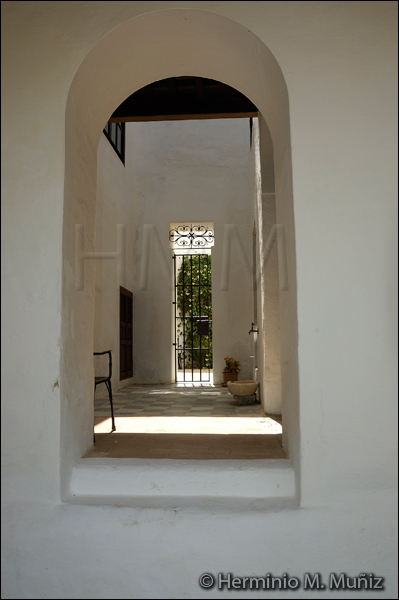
(221, 425)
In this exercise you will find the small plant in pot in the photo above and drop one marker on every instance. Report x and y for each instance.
(231, 370)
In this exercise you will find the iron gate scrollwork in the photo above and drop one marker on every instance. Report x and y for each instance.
(193, 317)
(191, 236)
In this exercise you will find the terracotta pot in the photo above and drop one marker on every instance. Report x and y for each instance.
(229, 377)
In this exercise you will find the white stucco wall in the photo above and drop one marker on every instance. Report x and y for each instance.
(338, 61)
(268, 247)
(189, 171)
(114, 217)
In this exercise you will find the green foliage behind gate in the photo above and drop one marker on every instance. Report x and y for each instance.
(194, 300)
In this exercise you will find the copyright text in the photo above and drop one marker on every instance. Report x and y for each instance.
(310, 581)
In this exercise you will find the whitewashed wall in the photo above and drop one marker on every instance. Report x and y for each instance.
(338, 60)
(192, 171)
(189, 171)
(114, 210)
(268, 246)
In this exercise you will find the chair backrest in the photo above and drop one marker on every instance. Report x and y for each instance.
(109, 362)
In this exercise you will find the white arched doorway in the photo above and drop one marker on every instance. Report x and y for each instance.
(155, 46)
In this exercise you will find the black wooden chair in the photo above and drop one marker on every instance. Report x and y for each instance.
(107, 380)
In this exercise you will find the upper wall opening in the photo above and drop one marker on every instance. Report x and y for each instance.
(178, 98)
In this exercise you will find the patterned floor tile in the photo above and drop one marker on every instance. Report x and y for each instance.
(203, 401)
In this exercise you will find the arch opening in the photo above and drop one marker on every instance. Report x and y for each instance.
(151, 47)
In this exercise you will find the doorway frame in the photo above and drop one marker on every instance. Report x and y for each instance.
(101, 83)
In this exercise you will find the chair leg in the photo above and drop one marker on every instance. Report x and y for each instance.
(108, 384)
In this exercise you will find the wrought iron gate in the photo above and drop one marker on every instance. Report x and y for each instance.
(193, 317)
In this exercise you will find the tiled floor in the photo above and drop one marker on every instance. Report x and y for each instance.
(175, 400)
(177, 421)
